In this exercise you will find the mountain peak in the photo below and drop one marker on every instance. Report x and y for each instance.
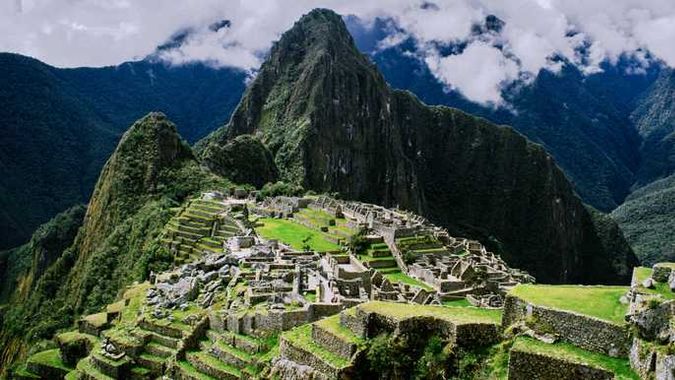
(155, 140)
(320, 31)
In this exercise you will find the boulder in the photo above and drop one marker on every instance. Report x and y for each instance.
(648, 283)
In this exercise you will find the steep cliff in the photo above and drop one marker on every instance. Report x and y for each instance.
(333, 124)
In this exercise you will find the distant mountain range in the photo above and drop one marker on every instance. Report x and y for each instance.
(58, 126)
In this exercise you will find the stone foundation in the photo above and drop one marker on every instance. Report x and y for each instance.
(531, 366)
(583, 331)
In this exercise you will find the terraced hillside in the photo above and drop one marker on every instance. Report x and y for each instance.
(237, 283)
(202, 226)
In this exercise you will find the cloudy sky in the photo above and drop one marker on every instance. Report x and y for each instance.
(70, 33)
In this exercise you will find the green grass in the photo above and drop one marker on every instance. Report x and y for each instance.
(311, 297)
(192, 371)
(23, 372)
(458, 315)
(214, 362)
(660, 288)
(97, 320)
(398, 276)
(49, 358)
(72, 336)
(136, 296)
(293, 234)
(333, 325)
(237, 353)
(620, 367)
(301, 337)
(458, 303)
(601, 302)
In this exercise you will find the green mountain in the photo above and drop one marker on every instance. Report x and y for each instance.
(654, 119)
(648, 221)
(332, 124)
(648, 214)
(150, 173)
(58, 126)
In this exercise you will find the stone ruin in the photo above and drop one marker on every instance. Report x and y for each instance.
(279, 278)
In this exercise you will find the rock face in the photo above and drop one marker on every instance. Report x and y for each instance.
(332, 124)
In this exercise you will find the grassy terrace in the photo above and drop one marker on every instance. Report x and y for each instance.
(293, 234)
(49, 358)
(660, 288)
(620, 367)
(453, 314)
(398, 276)
(301, 337)
(322, 218)
(458, 303)
(601, 302)
(333, 325)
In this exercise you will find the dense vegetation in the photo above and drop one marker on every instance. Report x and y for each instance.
(654, 119)
(20, 266)
(648, 221)
(333, 125)
(58, 126)
(151, 172)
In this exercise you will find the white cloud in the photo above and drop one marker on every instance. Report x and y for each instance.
(479, 72)
(71, 33)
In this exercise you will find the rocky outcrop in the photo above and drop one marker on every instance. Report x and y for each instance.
(333, 125)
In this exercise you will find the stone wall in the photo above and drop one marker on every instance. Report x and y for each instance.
(583, 331)
(320, 310)
(642, 358)
(332, 343)
(302, 356)
(530, 366)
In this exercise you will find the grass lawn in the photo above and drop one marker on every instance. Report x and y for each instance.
(661, 288)
(49, 358)
(458, 303)
(601, 302)
(457, 315)
(620, 367)
(293, 234)
(398, 276)
(311, 297)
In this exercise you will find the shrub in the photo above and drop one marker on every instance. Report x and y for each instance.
(281, 188)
